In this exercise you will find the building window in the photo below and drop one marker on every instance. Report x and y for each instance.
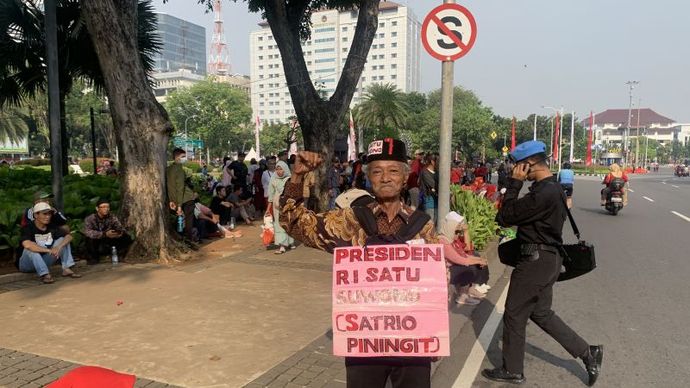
(261, 95)
(381, 25)
(364, 79)
(374, 46)
(394, 34)
(344, 29)
(324, 60)
(382, 45)
(382, 35)
(332, 70)
(261, 67)
(308, 63)
(324, 40)
(261, 48)
(394, 23)
(394, 44)
(324, 29)
(261, 76)
(270, 37)
(344, 39)
(373, 67)
(394, 55)
(261, 38)
(325, 50)
(345, 50)
(393, 76)
(394, 66)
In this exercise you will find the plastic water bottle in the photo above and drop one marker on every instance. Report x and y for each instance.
(180, 223)
(232, 223)
(113, 256)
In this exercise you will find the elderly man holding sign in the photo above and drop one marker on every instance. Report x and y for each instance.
(390, 296)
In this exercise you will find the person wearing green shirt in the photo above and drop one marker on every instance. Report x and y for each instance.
(181, 195)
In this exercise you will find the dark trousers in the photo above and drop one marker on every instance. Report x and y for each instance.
(529, 297)
(103, 246)
(401, 376)
(463, 275)
(188, 210)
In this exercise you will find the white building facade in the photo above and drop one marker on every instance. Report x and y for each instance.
(394, 58)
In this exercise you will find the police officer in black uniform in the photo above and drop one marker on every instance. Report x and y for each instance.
(539, 216)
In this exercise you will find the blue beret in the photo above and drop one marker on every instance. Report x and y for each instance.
(524, 150)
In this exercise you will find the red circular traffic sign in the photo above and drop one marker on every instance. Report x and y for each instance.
(449, 32)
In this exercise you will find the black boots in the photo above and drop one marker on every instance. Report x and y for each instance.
(592, 361)
(502, 375)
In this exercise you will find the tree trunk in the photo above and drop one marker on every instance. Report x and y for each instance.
(64, 137)
(319, 119)
(141, 125)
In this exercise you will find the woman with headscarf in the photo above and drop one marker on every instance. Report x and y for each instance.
(275, 190)
(615, 172)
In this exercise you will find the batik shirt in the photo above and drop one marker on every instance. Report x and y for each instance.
(339, 227)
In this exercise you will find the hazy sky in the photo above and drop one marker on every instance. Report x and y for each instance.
(529, 53)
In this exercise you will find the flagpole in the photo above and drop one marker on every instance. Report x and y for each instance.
(535, 126)
(572, 136)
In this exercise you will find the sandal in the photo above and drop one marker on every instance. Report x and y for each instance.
(280, 251)
(71, 274)
(47, 279)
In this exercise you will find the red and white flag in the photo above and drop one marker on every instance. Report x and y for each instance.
(512, 136)
(256, 136)
(352, 141)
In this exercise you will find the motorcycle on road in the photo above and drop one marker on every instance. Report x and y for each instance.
(614, 197)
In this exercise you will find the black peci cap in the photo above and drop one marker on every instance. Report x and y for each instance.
(387, 149)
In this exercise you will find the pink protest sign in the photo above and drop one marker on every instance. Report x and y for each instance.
(390, 300)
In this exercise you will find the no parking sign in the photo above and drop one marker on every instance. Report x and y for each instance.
(449, 32)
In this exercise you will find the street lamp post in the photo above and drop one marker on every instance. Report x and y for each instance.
(185, 133)
(631, 86)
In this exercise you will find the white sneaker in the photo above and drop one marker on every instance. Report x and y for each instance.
(467, 300)
(483, 288)
(476, 292)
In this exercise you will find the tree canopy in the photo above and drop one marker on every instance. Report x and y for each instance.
(216, 113)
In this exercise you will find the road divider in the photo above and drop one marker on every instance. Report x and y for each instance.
(648, 199)
(681, 216)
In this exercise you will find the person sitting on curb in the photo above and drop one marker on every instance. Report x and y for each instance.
(468, 272)
(44, 244)
(239, 205)
(102, 231)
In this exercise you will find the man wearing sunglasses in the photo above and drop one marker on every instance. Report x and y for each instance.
(43, 244)
(539, 216)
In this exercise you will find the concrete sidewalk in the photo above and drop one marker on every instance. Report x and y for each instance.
(237, 316)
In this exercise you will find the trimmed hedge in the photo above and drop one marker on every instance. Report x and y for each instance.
(33, 162)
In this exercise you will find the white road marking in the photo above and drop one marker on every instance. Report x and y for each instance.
(648, 199)
(630, 190)
(474, 361)
(676, 186)
(681, 216)
(664, 182)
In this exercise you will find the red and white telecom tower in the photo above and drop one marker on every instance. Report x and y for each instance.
(218, 62)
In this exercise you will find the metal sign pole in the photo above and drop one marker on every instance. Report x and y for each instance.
(447, 68)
